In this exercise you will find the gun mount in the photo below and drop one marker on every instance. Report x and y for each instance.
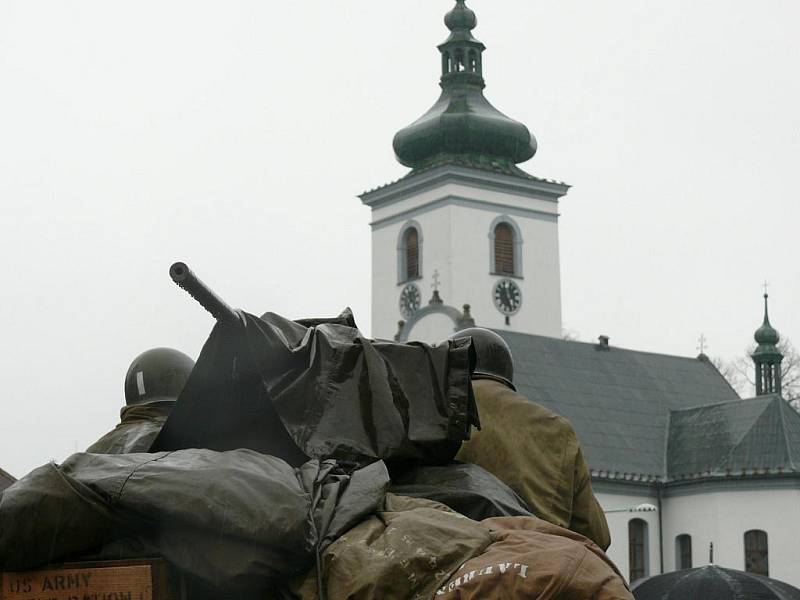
(182, 275)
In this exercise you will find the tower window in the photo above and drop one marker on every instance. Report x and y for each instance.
(504, 249)
(473, 61)
(683, 552)
(409, 252)
(756, 552)
(460, 61)
(412, 253)
(637, 549)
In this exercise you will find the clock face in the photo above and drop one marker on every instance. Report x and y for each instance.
(507, 297)
(410, 300)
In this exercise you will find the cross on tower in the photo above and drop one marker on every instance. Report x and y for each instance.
(702, 344)
(766, 288)
(436, 280)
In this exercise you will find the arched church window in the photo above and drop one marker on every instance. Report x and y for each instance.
(504, 249)
(683, 551)
(412, 253)
(409, 252)
(756, 552)
(637, 549)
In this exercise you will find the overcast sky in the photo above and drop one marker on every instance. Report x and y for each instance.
(235, 135)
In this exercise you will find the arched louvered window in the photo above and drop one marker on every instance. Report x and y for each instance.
(504, 249)
(409, 252)
(637, 549)
(756, 552)
(683, 552)
(412, 253)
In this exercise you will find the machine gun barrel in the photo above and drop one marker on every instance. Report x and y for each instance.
(187, 280)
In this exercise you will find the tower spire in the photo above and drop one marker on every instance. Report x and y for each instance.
(462, 127)
(767, 357)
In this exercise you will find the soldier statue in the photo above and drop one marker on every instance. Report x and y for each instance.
(152, 385)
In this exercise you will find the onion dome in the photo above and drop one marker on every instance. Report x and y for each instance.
(460, 18)
(767, 334)
(463, 124)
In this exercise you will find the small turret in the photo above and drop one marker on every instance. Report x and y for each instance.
(767, 357)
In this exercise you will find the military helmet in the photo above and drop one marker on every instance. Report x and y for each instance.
(157, 375)
(493, 356)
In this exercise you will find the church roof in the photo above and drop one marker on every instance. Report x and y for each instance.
(755, 436)
(5, 480)
(618, 400)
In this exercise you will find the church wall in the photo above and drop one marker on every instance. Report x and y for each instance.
(449, 191)
(618, 525)
(456, 220)
(435, 247)
(722, 517)
(540, 283)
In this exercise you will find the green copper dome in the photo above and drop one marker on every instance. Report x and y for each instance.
(766, 335)
(460, 18)
(463, 122)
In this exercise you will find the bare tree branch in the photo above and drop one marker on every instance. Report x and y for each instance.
(740, 372)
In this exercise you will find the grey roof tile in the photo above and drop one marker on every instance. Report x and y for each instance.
(618, 400)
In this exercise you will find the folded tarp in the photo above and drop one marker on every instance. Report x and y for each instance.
(467, 489)
(234, 518)
(284, 389)
(404, 552)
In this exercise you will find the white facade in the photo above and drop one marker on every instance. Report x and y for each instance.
(718, 514)
(618, 525)
(454, 209)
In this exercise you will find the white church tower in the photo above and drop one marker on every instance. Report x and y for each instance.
(466, 226)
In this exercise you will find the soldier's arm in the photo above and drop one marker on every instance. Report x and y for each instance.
(588, 517)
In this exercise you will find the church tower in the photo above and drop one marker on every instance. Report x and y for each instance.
(466, 226)
(767, 357)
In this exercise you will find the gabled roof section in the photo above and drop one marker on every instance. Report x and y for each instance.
(5, 480)
(755, 436)
(618, 400)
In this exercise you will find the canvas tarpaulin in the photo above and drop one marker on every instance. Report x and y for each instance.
(403, 552)
(227, 518)
(281, 388)
(467, 489)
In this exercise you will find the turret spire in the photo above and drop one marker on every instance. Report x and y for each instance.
(462, 125)
(767, 357)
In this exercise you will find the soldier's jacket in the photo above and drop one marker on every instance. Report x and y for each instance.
(139, 426)
(537, 454)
